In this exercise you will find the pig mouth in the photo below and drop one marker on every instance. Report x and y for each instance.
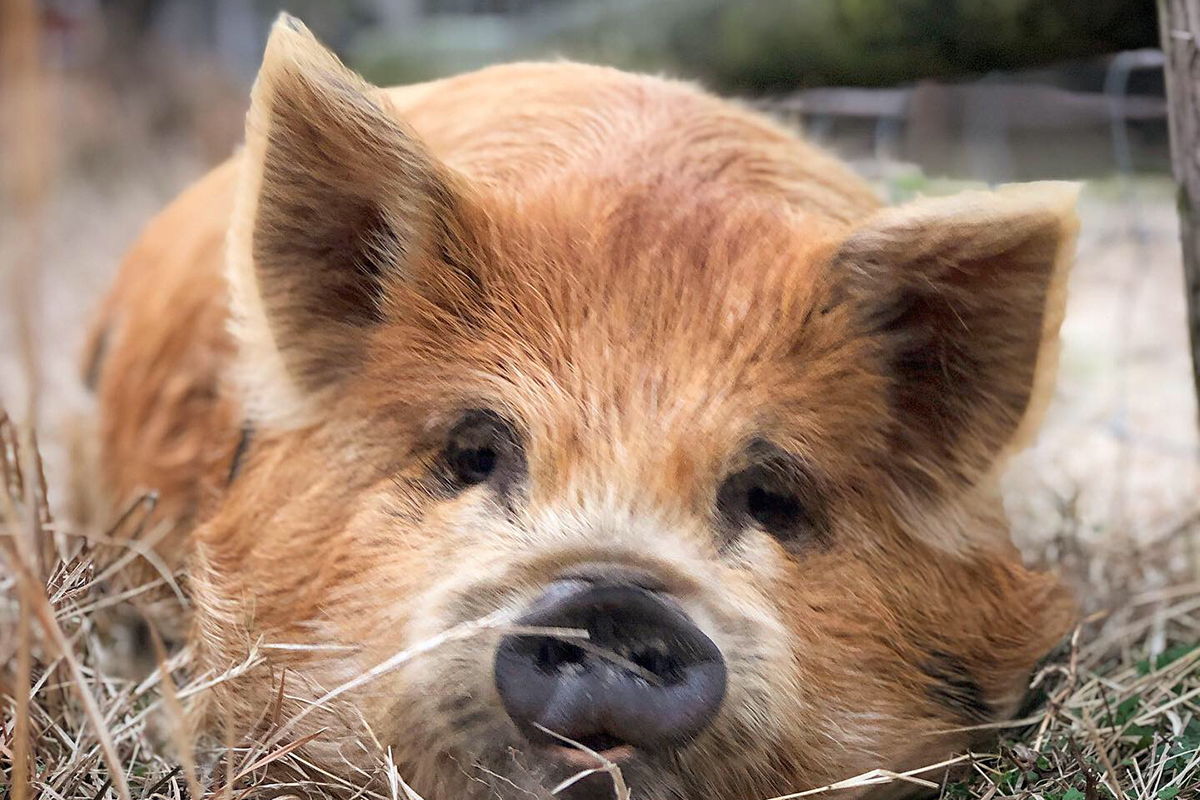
(605, 749)
(604, 745)
(572, 773)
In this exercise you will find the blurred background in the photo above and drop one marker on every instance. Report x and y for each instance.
(140, 97)
(959, 87)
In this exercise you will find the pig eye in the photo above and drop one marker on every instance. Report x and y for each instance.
(773, 510)
(482, 446)
(775, 496)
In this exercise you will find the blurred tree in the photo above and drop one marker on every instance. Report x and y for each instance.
(763, 45)
(739, 45)
(775, 44)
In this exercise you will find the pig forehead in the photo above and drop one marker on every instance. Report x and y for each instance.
(638, 325)
(646, 352)
(654, 277)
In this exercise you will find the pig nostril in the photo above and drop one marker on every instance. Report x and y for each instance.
(555, 654)
(668, 669)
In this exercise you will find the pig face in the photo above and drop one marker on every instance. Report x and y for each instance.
(626, 455)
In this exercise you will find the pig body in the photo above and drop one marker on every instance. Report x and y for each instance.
(558, 344)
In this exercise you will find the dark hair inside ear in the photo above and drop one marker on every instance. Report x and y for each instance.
(959, 297)
(351, 206)
(371, 249)
(318, 238)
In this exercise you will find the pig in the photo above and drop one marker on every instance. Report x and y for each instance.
(557, 417)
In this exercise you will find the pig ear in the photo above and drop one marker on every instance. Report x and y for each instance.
(964, 297)
(337, 202)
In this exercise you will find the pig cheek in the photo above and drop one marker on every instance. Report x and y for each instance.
(826, 604)
(441, 583)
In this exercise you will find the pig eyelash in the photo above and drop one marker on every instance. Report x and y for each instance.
(774, 494)
(482, 447)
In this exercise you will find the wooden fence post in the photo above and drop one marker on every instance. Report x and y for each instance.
(1179, 22)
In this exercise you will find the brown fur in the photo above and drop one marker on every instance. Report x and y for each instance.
(645, 280)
